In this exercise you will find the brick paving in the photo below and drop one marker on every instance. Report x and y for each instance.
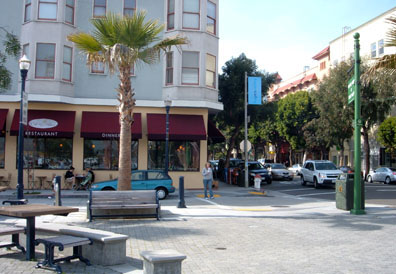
(243, 233)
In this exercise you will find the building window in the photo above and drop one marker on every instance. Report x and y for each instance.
(323, 65)
(381, 47)
(169, 68)
(171, 15)
(211, 18)
(2, 152)
(25, 50)
(129, 7)
(99, 9)
(28, 10)
(210, 71)
(191, 14)
(183, 155)
(373, 50)
(190, 68)
(47, 9)
(97, 68)
(45, 61)
(47, 153)
(103, 154)
(67, 63)
(69, 12)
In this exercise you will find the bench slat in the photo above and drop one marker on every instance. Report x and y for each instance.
(122, 206)
(11, 230)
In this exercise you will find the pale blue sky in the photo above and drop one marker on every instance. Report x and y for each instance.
(283, 35)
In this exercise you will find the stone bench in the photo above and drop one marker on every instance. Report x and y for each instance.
(107, 248)
(162, 261)
(62, 242)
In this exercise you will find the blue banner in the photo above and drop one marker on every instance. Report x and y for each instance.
(254, 90)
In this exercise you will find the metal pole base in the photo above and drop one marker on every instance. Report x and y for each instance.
(358, 211)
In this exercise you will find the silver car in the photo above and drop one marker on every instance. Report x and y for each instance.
(382, 174)
(295, 169)
(279, 171)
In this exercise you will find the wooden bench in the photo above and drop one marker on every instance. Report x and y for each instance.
(121, 203)
(14, 231)
(16, 202)
(62, 242)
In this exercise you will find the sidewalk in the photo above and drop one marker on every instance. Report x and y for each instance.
(239, 232)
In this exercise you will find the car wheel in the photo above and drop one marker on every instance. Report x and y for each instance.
(161, 193)
(291, 178)
(303, 182)
(108, 188)
(316, 185)
(387, 180)
(369, 179)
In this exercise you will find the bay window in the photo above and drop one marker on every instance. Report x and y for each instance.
(69, 12)
(171, 15)
(129, 7)
(67, 63)
(28, 10)
(47, 9)
(45, 61)
(169, 68)
(99, 9)
(190, 68)
(191, 14)
(211, 18)
(210, 71)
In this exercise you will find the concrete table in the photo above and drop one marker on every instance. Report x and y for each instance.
(29, 212)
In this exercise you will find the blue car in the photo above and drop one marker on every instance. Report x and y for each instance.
(143, 180)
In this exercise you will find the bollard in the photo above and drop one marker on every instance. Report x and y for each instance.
(182, 203)
(57, 190)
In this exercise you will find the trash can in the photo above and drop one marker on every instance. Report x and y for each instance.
(344, 192)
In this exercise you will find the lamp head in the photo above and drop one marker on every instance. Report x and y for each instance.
(24, 63)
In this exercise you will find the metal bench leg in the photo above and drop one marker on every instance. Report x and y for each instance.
(77, 253)
(15, 240)
(49, 259)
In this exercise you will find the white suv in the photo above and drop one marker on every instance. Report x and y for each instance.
(319, 172)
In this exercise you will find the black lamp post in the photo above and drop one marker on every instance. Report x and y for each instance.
(24, 65)
(168, 103)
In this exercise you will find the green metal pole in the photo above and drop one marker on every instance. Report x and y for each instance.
(357, 201)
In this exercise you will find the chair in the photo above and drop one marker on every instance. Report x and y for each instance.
(49, 181)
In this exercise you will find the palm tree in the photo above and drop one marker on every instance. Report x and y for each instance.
(387, 61)
(120, 42)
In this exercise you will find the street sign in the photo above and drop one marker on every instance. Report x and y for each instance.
(24, 108)
(254, 90)
(351, 90)
(242, 145)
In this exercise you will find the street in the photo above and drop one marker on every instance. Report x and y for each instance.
(376, 193)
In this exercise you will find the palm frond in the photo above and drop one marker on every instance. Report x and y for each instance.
(391, 34)
(85, 42)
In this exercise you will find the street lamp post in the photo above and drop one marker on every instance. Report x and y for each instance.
(168, 103)
(24, 64)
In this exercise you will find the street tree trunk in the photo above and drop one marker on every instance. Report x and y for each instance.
(127, 102)
(231, 147)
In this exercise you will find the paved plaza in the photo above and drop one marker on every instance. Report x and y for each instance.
(239, 232)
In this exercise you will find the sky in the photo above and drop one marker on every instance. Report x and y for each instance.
(283, 35)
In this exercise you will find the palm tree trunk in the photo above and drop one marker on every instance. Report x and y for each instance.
(127, 102)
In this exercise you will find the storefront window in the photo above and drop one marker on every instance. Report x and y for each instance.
(2, 151)
(47, 153)
(183, 155)
(103, 154)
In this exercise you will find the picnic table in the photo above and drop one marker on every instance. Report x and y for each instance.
(29, 212)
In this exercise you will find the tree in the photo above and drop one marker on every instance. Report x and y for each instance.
(332, 104)
(231, 94)
(294, 111)
(120, 42)
(11, 48)
(387, 134)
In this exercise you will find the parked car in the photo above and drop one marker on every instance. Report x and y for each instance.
(255, 168)
(382, 174)
(143, 180)
(319, 172)
(279, 171)
(346, 169)
(264, 161)
(295, 169)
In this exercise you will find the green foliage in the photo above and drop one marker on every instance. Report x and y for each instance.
(335, 122)
(11, 48)
(294, 111)
(387, 134)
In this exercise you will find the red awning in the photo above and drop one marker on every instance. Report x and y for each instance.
(106, 125)
(3, 118)
(181, 127)
(46, 123)
(214, 134)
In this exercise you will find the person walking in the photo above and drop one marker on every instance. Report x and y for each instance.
(207, 174)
